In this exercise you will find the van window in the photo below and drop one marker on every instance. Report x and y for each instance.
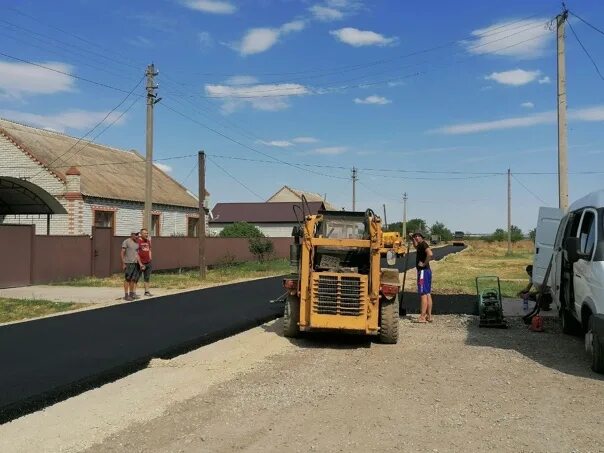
(560, 233)
(574, 225)
(587, 235)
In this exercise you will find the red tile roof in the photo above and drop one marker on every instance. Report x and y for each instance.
(280, 212)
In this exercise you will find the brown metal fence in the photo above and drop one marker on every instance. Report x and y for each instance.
(26, 258)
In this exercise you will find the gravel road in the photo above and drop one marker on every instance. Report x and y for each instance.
(448, 386)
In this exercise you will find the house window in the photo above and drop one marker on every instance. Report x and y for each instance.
(193, 227)
(104, 219)
(155, 224)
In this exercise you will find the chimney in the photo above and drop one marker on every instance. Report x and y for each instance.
(73, 182)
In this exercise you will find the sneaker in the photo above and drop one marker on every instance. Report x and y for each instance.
(148, 294)
(135, 296)
(128, 298)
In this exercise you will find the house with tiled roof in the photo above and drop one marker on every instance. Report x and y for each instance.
(287, 193)
(275, 219)
(98, 185)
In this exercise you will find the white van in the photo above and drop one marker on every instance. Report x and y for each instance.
(576, 278)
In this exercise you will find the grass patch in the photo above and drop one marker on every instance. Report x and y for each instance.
(190, 279)
(457, 273)
(19, 309)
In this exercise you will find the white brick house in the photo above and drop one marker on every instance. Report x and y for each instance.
(98, 185)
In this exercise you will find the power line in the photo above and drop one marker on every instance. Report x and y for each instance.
(94, 82)
(585, 50)
(529, 190)
(96, 126)
(235, 179)
(587, 23)
(247, 146)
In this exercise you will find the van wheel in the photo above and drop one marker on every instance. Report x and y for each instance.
(389, 320)
(291, 317)
(595, 348)
(570, 325)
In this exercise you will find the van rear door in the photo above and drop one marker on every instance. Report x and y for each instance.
(547, 227)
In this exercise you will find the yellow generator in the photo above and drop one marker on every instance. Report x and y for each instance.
(337, 283)
(391, 240)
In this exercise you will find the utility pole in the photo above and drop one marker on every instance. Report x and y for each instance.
(405, 216)
(385, 221)
(201, 157)
(151, 101)
(562, 123)
(509, 212)
(354, 187)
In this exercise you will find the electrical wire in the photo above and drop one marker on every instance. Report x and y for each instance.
(593, 62)
(529, 190)
(587, 23)
(236, 180)
(96, 126)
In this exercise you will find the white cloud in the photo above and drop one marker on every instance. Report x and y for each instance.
(515, 77)
(545, 79)
(325, 13)
(305, 140)
(163, 167)
(330, 150)
(211, 6)
(376, 100)
(205, 40)
(520, 39)
(527, 105)
(140, 41)
(19, 79)
(396, 83)
(359, 38)
(295, 25)
(71, 119)
(240, 91)
(258, 40)
(590, 114)
(277, 143)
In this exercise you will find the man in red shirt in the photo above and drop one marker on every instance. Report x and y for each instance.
(144, 253)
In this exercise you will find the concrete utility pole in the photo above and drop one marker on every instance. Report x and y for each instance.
(385, 221)
(354, 187)
(405, 216)
(562, 123)
(201, 157)
(151, 101)
(509, 212)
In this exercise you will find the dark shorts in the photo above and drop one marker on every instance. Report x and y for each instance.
(146, 272)
(132, 272)
(424, 281)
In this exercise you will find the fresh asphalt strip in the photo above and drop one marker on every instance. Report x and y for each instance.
(51, 359)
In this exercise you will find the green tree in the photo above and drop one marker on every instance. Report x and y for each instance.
(532, 234)
(241, 230)
(499, 235)
(261, 248)
(414, 225)
(517, 234)
(440, 229)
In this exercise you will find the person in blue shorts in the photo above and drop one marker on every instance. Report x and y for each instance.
(423, 256)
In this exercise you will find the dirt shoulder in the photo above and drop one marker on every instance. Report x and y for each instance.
(445, 387)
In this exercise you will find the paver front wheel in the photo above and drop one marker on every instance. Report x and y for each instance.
(291, 317)
(389, 320)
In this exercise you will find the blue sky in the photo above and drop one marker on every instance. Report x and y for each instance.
(446, 91)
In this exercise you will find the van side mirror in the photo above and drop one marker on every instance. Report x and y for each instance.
(572, 246)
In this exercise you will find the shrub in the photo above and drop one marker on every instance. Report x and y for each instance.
(261, 248)
(241, 230)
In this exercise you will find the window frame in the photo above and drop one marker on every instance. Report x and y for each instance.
(594, 213)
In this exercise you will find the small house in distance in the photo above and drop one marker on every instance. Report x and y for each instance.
(287, 193)
(275, 219)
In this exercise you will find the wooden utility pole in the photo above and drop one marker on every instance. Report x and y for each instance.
(562, 123)
(405, 216)
(151, 101)
(385, 221)
(201, 157)
(354, 186)
(509, 212)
